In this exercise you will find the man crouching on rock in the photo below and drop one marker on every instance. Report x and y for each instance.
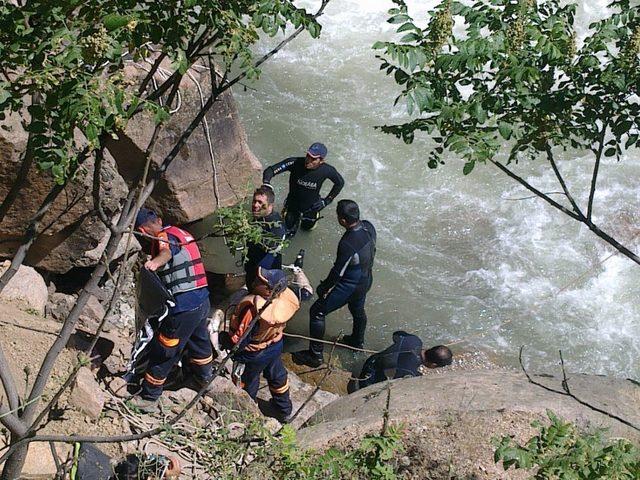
(176, 259)
(260, 351)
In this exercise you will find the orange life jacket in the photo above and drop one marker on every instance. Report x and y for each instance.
(272, 321)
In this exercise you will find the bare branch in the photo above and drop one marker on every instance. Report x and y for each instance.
(152, 72)
(8, 382)
(275, 50)
(534, 190)
(567, 392)
(562, 182)
(321, 382)
(596, 167)
(22, 442)
(97, 203)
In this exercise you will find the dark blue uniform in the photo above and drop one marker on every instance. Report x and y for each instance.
(185, 328)
(266, 256)
(304, 191)
(402, 359)
(347, 283)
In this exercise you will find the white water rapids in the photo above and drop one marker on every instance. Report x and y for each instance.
(458, 257)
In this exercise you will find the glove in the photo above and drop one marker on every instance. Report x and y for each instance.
(225, 341)
(319, 205)
(268, 185)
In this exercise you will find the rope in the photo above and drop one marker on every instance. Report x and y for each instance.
(342, 345)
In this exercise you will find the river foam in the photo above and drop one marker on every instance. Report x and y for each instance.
(458, 257)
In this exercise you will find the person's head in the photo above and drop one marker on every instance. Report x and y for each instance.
(315, 156)
(147, 221)
(262, 203)
(435, 357)
(348, 213)
(268, 281)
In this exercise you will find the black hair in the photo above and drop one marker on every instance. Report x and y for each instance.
(441, 356)
(348, 210)
(267, 192)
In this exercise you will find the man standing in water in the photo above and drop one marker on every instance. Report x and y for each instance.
(307, 174)
(347, 283)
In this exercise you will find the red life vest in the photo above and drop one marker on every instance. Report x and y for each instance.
(185, 271)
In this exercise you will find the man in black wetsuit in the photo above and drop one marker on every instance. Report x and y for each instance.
(307, 174)
(402, 359)
(347, 283)
(266, 255)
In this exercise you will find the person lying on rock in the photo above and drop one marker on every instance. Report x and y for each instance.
(260, 351)
(266, 254)
(175, 257)
(306, 176)
(402, 359)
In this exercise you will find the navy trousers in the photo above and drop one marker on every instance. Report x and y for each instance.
(294, 219)
(342, 294)
(267, 362)
(185, 330)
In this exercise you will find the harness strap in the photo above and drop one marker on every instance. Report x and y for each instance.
(181, 266)
(188, 279)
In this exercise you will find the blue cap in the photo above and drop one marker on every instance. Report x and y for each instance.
(317, 150)
(274, 278)
(144, 215)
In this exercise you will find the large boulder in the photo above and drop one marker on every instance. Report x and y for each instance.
(200, 179)
(470, 394)
(72, 228)
(26, 289)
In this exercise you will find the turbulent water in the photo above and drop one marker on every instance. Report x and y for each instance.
(459, 258)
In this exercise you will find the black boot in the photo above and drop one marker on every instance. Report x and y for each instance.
(308, 358)
(352, 342)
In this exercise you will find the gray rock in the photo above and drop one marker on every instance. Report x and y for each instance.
(39, 463)
(26, 289)
(87, 396)
(224, 393)
(92, 314)
(59, 305)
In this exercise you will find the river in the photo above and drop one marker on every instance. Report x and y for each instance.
(459, 258)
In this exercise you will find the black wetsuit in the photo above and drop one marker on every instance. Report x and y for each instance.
(265, 256)
(304, 191)
(347, 284)
(402, 359)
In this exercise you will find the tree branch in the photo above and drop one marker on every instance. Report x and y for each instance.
(534, 190)
(596, 167)
(562, 182)
(567, 392)
(275, 50)
(97, 203)
(152, 72)
(8, 382)
(154, 431)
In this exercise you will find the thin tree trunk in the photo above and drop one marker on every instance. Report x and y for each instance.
(13, 466)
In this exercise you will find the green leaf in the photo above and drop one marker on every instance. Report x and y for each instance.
(632, 140)
(468, 168)
(114, 21)
(505, 130)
